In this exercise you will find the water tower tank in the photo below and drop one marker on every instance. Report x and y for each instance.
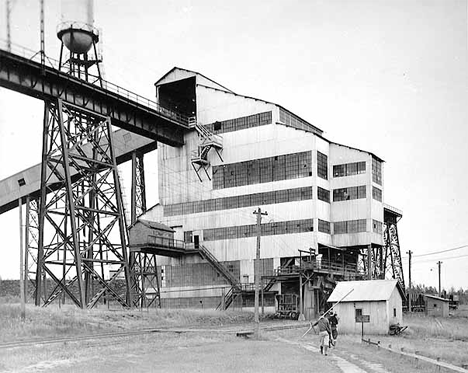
(76, 30)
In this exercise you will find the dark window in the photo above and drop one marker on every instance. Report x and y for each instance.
(322, 165)
(377, 194)
(394, 312)
(340, 227)
(349, 169)
(264, 170)
(376, 226)
(323, 194)
(358, 312)
(376, 171)
(361, 168)
(350, 226)
(339, 170)
(241, 123)
(267, 229)
(323, 226)
(188, 236)
(344, 194)
(290, 119)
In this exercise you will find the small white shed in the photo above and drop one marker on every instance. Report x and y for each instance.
(380, 300)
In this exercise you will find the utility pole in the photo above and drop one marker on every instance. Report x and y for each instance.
(22, 296)
(369, 262)
(440, 289)
(409, 279)
(259, 214)
(8, 24)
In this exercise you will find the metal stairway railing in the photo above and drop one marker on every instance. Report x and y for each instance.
(235, 285)
(228, 299)
(199, 157)
(206, 254)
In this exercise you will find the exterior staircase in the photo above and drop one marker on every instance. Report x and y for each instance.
(208, 141)
(221, 268)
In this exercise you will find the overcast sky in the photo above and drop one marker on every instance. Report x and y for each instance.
(386, 76)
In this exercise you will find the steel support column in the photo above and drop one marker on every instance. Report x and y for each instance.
(82, 239)
(393, 264)
(144, 270)
(32, 241)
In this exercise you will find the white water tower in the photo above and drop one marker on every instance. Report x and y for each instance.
(76, 30)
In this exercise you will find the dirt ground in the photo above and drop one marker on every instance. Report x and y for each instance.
(208, 352)
(168, 352)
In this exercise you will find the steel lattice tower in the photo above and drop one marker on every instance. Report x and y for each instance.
(392, 264)
(82, 233)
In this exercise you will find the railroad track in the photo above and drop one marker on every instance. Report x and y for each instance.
(90, 337)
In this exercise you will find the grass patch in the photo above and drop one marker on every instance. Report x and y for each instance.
(69, 320)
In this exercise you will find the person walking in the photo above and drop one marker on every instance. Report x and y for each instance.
(324, 333)
(333, 320)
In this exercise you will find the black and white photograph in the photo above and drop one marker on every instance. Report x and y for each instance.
(234, 186)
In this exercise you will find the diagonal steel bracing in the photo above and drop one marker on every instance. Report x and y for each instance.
(393, 264)
(143, 265)
(82, 239)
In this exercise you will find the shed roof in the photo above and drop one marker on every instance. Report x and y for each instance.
(436, 297)
(370, 290)
(154, 225)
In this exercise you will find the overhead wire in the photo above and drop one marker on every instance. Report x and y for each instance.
(435, 253)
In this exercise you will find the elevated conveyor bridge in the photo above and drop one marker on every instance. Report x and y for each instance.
(126, 109)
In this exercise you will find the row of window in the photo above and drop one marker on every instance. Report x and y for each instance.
(350, 226)
(286, 227)
(269, 198)
(263, 170)
(234, 202)
(289, 119)
(267, 229)
(344, 194)
(349, 169)
(241, 123)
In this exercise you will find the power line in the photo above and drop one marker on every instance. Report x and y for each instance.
(444, 258)
(438, 252)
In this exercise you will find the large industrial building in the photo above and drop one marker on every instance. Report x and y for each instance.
(324, 202)
(233, 171)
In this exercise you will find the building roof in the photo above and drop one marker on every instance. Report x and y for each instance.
(219, 87)
(436, 297)
(358, 291)
(351, 147)
(154, 225)
(175, 68)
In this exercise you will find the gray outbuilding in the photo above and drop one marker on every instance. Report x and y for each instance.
(436, 306)
(376, 302)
